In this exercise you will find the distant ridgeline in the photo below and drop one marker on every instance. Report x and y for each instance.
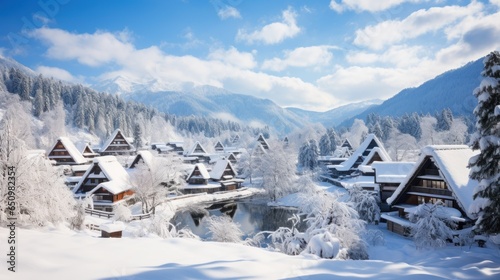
(99, 113)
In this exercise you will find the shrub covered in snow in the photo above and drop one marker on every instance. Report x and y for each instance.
(366, 203)
(223, 229)
(323, 245)
(122, 213)
(432, 226)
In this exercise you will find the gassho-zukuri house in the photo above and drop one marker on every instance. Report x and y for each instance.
(440, 174)
(106, 181)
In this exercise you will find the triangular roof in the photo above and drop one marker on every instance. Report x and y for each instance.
(258, 150)
(112, 137)
(197, 150)
(219, 168)
(85, 149)
(117, 176)
(145, 156)
(202, 169)
(362, 149)
(347, 144)
(380, 151)
(263, 141)
(452, 162)
(392, 171)
(219, 146)
(71, 148)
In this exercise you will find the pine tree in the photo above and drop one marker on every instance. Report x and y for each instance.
(137, 136)
(325, 147)
(333, 139)
(485, 167)
(444, 120)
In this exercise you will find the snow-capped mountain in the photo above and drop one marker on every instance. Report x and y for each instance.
(452, 89)
(337, 115)
(222, 104)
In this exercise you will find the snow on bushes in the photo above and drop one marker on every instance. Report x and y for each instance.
(223, 229)
(432, 226)
(366, 203)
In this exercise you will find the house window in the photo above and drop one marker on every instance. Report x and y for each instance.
(433, 184)
(433, 200)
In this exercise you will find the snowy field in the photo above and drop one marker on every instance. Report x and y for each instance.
(64, 254)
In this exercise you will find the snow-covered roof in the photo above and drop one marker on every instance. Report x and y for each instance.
(377, 151)
(262, 140)
(219, 168)
(111, 138)
(452, 161)
(196, 146)
(391, 172)
(72, 150)
(346, 165)
(76, 168)
(119, 180)
(146, 156)
(203, 171)
(112, 227)
(82, 146)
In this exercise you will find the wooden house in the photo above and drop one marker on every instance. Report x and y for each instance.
(350, 166)
(177, 147)
(198, 151)
(199, 175)
(218, 147)
(117, 144)
(106, 181)
(263, 141)
(142, 157)
(377, 154)
(235, 139)
(64, 152)
(440, 174)
(232, 158)
(86, 151)
(388, 176)
(224, 172)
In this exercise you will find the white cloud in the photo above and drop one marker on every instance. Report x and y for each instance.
(89, 49)
(365, 5)
(228, 12)
(397, 55)
(232, 56)
(495, 2)
(273, 33)
(57, 73)
(226, 68)
(313, 56)
(416, 24)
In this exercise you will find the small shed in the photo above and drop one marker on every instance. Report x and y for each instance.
(113, 230)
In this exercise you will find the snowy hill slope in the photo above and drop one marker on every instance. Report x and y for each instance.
(452, 89)
(335, 116)
(219, 103)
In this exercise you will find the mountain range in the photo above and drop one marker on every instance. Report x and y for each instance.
(452, 89)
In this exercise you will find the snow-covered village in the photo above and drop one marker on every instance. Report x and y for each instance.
(291, 140)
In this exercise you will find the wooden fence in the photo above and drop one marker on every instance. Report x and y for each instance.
(109, 215)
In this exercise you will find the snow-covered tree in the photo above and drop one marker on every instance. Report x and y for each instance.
(138, 136)
(399, 144)
(484, 166)
(326, 212)
(223, 229)
(325, 146)
(444, 120)
(148, 182)
(356, 133)
(366, 203)
(432, 226)
(308, 155)
(278, 172)
(323, 245)
(121, 213)
(334, 139)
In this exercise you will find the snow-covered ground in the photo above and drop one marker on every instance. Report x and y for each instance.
(64, 254)
(60, 253)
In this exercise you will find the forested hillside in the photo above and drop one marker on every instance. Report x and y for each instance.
(97, 112)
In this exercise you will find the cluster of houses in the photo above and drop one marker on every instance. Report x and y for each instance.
(104, 173)
(440, 173)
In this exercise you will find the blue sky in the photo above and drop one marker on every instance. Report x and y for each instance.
(315, 55)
